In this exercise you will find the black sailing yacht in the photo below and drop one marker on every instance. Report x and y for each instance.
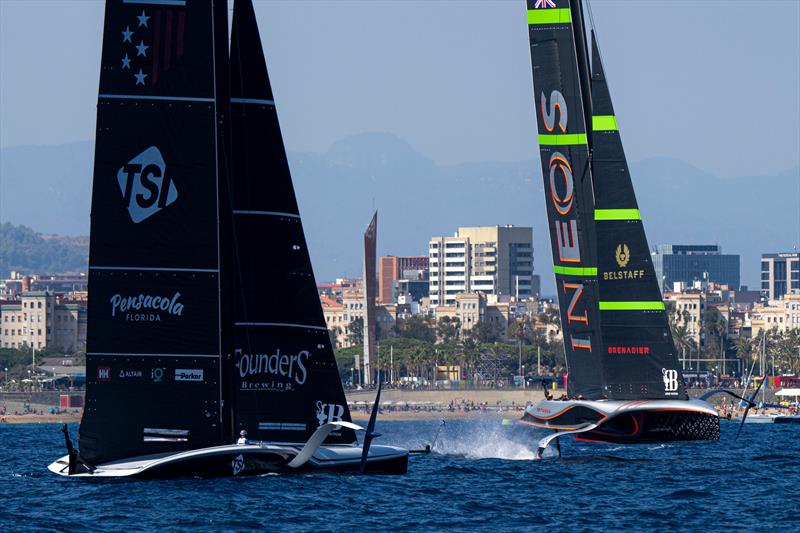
(624, 381)
(204, 319)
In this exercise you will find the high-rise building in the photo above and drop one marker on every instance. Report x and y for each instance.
(489, 260)
(780, 274)
(691, 262)
(393, 268)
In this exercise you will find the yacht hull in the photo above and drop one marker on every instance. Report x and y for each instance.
(627, 422)
(243, 460)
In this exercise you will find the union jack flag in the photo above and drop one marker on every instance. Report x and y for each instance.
(544, 4)
(153, 41)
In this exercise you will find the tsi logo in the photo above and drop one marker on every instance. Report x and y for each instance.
(146, 187)
(329, 412)
(188, 374)
(670, 380)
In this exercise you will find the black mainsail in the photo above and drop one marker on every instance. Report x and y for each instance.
(285, 381)
(153, 332)
(560, 81)
(639, 359)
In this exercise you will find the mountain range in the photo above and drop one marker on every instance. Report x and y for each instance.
(48, 188)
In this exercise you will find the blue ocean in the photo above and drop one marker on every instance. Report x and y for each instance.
(481, 476)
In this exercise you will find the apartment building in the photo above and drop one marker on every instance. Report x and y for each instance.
(780, 274)
(487, 260)
(42, 320)
(392, 269)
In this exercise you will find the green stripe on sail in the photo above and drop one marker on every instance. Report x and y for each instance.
(617, 214)
(604, 123)
(561, 140)
(632, 306)
(549, 16)
(575, 271)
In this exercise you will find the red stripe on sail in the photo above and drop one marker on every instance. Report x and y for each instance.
(156, 46)
(168, 42)
(179, 53)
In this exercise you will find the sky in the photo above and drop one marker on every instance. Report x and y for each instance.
(711, 82)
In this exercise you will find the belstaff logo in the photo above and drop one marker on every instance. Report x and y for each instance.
(623, 255)
(329, 412)
(146, 187)
(670, 381)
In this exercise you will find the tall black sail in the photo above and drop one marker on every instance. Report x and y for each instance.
(153, 345)
(284, 376)
(556, 38)
(639, 359)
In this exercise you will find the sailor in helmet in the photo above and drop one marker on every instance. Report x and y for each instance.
(243, 438)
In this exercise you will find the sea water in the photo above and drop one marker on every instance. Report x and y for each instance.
(481, 476)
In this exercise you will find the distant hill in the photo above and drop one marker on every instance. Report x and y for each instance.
(418, 199)
(22, 249)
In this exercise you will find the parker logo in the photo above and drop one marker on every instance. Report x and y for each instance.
(329, 412)
(146, 187)
(146, 307)
(670, 381)
(188, 374)
(104, 373)
(622, 255)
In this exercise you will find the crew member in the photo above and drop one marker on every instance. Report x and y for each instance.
(243, 438)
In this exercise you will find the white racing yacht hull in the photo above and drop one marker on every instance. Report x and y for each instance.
(243, 460)
(629, 421)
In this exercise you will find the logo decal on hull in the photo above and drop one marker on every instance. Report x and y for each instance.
(146, 187)
(237, 464)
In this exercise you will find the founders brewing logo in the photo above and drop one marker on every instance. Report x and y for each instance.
(622, 254)
(146, 307)
(276, 372)
(670, 381)
(145, 185)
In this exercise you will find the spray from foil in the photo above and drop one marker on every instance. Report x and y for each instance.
(486, 439)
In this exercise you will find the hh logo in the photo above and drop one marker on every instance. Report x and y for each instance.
(146, 187)
(670, 380)
(329, 412)
(104, 373)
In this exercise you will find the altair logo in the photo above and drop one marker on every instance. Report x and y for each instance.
(135, 308)
(146, 187)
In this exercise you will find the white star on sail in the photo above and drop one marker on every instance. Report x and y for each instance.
(142, 19)
(141, 47)
(126, 62)
(126, 35)
(140, 77)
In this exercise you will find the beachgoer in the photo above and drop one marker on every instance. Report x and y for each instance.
(242, 438)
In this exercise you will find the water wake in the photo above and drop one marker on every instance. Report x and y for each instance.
(487, 440)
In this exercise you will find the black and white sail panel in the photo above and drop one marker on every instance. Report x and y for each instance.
(284, 376)
(560, 119)
(153, 319)
(639, 359)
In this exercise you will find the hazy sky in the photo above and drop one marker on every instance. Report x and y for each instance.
(714, 83)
